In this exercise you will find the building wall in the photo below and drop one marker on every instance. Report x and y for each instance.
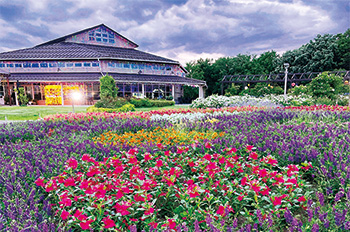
(101, 36)
(92, 66)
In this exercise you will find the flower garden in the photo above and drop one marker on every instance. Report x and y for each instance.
(239, 168)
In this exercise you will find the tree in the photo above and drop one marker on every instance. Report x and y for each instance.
(108, 87)
(343, 52)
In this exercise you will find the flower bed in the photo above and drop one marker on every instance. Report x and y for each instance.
(41, 149)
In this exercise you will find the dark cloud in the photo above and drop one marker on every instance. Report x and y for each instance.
(13, 13)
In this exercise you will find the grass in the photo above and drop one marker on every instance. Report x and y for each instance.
(35, 112)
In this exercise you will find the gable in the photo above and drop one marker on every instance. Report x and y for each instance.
(101, 36)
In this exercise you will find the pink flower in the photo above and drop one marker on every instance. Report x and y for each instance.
(40, 182)
(109, 223)
(69, 182)
(149, 211)
(65, 215)
(72, 163)
(221, 210)
(253, 156)
(207, 145)
(301, 199)
(85, 225)
(249, 147)
(159, 163)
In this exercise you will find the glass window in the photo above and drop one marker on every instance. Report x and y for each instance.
(134, 66)
(98, 34)
(61, 64)
(35, 65)
(119, 65)
(95, 64)
(2, 65)
(142, 66)
(155, 67)
(26, 65)
(52, 65)
(9, 65)
(98, 39)
(105, 40)
(77, 65)
(162, 67)
(87, 64)
(168, 68)
(69, 64)
(43, 65)
(126, 65)
(111, 35)
(18, 65)
(112, 65)
(91, 38)
(104, 35)
(111, 41)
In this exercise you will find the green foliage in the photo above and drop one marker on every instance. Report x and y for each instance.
(343, 53)
(108, 87)
(324, 101)
(144, 102)
(262, 89)
(298, 90)
(325, 85)
(110, 102)
(190, 92)
(233, 90)
(124, 108)
(22, 97)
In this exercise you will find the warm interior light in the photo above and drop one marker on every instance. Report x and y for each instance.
(76, 95)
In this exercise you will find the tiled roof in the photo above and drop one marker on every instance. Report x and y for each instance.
(65, 50)
(119, 77)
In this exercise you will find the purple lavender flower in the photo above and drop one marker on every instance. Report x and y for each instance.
(288, 216)
(315, 228)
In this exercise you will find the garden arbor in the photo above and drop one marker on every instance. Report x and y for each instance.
(279, 78)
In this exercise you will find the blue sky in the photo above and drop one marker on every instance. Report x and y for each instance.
(182, 30)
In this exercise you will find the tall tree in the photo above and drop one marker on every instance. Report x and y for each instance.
(343, 53)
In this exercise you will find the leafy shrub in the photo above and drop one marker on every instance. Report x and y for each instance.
(22, 97)
(233, 90)
(343, 100)
(326, 85)
(262, 89)
(124, 108)
(144, 102)
(324, 101)
(108, 94)
(298, 90)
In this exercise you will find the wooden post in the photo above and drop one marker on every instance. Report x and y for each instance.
(32, 91)
(173, 91)
(9, 90)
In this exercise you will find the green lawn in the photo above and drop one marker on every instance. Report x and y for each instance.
(34, 112)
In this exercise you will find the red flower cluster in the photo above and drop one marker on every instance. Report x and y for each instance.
(137, 187)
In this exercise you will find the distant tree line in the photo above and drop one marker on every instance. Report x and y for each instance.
(324, 53)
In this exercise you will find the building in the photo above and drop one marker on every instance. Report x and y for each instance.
(78, 60)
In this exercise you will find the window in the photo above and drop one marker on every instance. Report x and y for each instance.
(61, 64)
(2, 65)
(162, 67)
(104, 35)
(98, 34)
(126, 65)
(35, 65)
(134, 66)
(77, 65)
(87, 64)
(142, 66)
(112, 65)
(111, 41)
(119, 65)
(43, 65)
(18, 65)
(98, 39)
(26, 65)
(95, 64)
(69, 64)
(52, 65)
(155, 67)
(91, 38)
(9, 65)
(111, 35)
(168, 68)
(105, 40)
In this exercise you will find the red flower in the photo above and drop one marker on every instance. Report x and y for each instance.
(40, 182)
(301, 199)
(240, 198)
(72, 163)
(249, 147)
(69, 182)
(86, 157)
(207, 157)
(207, 145)
(109, 223)
(253, 156)
(85, 225)
(153, 224)
(65, 215)
(221, 210)
(149, 211)
(244, 181)
(171, 224)
(159, 163)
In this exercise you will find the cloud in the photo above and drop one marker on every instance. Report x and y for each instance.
(179, 29)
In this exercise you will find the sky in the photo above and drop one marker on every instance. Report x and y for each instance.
(182, 30)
